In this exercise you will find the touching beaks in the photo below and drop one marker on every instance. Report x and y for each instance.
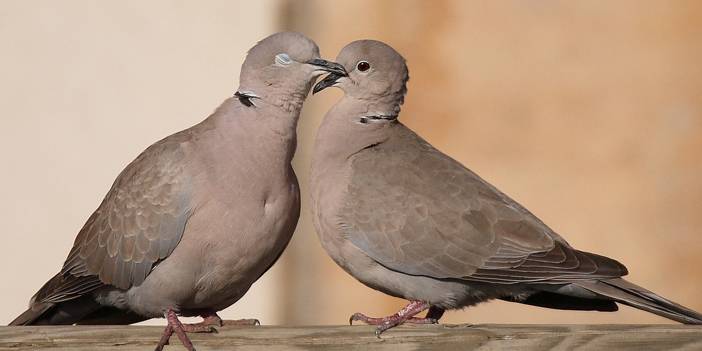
(328, 66)
(327, 82)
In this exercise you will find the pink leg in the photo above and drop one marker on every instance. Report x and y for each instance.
(174, 326)
(432, 317)
(405, 315)
(213, 319)
(209, 321)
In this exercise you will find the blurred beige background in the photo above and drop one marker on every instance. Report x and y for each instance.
(587, 112)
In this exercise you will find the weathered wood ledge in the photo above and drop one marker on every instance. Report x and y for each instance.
(432, 337)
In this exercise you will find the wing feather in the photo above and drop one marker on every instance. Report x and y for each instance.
(417, 211)
(139, 222)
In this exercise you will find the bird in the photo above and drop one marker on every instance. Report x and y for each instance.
(406, 219)
(199, 216)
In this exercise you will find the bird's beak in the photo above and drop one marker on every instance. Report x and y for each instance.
(327, 82)
(328, 66)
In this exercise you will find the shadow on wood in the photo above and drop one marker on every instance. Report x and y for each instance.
(433, 337)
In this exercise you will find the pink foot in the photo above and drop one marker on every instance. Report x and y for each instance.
(209, 321)
(213, 319)
(405, 315)
(378, 321)
(241, 322)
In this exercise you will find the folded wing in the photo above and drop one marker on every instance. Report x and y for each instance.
(417, 211)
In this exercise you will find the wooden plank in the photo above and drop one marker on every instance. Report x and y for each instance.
(432, 337)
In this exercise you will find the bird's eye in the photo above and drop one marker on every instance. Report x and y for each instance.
(363, 66)
(283, 59)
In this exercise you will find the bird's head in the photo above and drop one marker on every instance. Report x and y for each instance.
(375, 71)
(287, 61)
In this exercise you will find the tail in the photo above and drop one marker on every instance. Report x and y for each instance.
(80, 311)
(635, 296)
(37, 308)
(31, 315)
(63, 300)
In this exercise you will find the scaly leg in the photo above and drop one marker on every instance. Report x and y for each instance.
(212, 319)
(175, 326)
(209, 321)
(405, 315)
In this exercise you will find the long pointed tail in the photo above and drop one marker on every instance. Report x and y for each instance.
(635, 296)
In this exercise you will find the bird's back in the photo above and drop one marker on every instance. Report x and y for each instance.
(416, 210)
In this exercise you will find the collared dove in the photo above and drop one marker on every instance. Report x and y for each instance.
(405, 219)
(199, 216)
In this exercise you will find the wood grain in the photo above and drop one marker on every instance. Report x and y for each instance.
(434, 337)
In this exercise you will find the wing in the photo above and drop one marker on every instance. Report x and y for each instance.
(417, 211)
(139, 222)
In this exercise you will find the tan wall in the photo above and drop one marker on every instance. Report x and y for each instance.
(587, 112)
(85, 86)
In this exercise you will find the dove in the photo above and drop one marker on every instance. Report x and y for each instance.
(200, 215)
(408, 220)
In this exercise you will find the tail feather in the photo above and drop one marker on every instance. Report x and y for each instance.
(561, 301)
(32, 314)
(635, 296)
(64, 299)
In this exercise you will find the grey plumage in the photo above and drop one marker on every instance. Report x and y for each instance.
(408, 220)
(199, 216)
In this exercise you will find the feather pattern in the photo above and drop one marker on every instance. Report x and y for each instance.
(416, 211)
(139, 222)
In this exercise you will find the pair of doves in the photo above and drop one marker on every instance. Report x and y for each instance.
(199, 216)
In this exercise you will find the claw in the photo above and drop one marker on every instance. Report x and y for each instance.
(208, 325)
(180, 329)
(357, 317)
(406, 315)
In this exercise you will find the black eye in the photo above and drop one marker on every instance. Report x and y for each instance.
(363, 66)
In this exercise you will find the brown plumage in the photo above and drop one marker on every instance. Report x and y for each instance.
(408, 220)
(139, 222)
(405, 197)
(199, 216)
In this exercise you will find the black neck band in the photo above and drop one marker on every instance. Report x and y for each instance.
(244, 98)
(365, 119)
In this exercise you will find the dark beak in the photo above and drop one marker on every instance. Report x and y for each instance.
(331, 67)
(328, 81)
(335, 70)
